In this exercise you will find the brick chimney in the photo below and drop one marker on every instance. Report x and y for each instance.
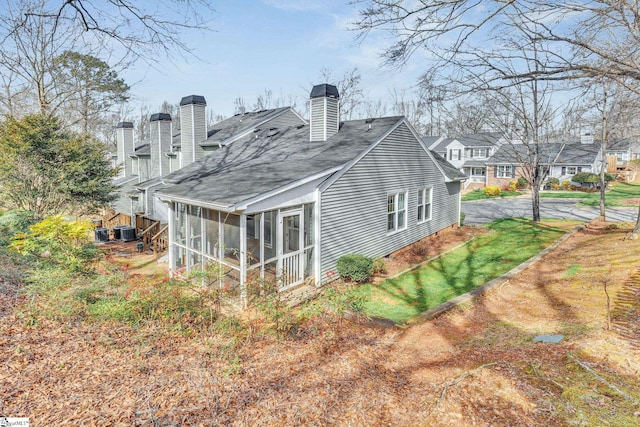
(324, 112)
(160, 143)
(124, 146)
(193, 128)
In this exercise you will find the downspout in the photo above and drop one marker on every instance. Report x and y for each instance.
(317, 236)
(243, 260)
(171, 222)
(460, 206)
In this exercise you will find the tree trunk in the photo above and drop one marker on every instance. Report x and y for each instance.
(636, 229)
(535, 202)
(603, 169)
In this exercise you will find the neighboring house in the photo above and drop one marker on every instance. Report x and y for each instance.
(284, 203)
(470, 152)
(166, 151)
(623, 151)
(557, 160)
(576, 157)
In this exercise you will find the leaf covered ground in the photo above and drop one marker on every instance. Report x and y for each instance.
(475, 365)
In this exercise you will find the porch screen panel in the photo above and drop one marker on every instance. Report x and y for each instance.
(181, 223)
(309, 263)
(269, 235)
(308, 225)
(195, 228)
(212, 233)
(253, 239)
(231, 238)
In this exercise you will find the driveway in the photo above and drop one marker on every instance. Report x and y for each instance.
(483, 211)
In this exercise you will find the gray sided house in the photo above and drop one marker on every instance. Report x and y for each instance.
(284, 203)
(576, 157)
(167, 151)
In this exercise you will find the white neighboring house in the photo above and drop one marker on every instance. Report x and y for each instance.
(469, 153)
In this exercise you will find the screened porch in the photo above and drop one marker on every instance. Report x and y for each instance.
(275, 247)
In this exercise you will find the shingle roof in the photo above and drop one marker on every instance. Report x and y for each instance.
(238, 124)
(556, 153)
(619, 145)
(482, 139)
(474, 163)
(260, 163)
(578, 154)
(142, 149)
(520, 153)
(144, 185)
(118, 182)
(442, 145)
(450, 171)
(429, 140)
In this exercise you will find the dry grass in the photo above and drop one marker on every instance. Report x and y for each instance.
(475, 365)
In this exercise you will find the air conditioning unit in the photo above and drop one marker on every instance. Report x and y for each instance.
(117, 231)
(102, 234)
(128, 234)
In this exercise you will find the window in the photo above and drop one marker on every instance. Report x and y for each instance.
(253, 230)
(478, 171)
(504, 171)
(479, 152)
(424, 204)
(455, 154)
(571, 170)
(396, 212)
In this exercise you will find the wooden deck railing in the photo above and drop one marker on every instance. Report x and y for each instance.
(112, 219)
(153, 234)
(161, 241)
(147, 234)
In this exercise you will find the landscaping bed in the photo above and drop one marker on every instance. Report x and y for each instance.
(619, 194)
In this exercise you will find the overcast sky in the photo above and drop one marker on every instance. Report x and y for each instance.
(281, 45)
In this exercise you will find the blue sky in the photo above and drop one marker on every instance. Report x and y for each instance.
(281, 45)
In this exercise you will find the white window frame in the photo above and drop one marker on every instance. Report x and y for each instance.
(425, 204)
(395, 212)
(457, 152)
(572, 170)
(475, 168)
(504, 171)
(479, 153)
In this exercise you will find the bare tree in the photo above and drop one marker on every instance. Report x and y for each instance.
(412, 106)
(584, 39)
(375, 108)
(239, 106)
(140, 29)
(514, 45)
(351, 95)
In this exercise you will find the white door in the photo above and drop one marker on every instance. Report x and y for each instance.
(291, 248)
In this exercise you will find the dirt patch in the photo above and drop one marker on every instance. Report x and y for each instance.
(475, 365)
(631, 202)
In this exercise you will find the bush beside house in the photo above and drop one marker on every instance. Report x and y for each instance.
(355, 267)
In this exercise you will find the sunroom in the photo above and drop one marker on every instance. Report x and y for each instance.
(244, 248)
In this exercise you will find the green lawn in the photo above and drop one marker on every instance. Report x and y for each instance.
(619, 191)
(479, 195)
(513, 241)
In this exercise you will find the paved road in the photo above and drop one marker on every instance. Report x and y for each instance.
(483, 211)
